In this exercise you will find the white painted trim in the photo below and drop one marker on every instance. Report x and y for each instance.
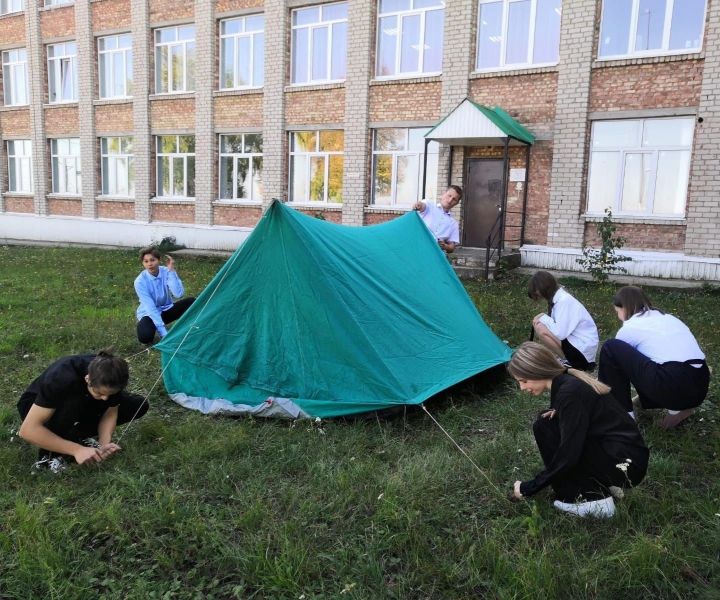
(663, 265)
(115, 232)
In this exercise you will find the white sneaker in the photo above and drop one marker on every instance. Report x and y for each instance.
(90, 442)
(54, 465)
(601, 509)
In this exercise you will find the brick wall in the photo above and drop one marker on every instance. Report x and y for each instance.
(331, 215)
(110, 14)
(534, 105)
(12, 29)
(640, 236)
(176, 113)
(377, 217)
(173, 213)
(237, 216)
(19, 205)
(169, 10)
(635, 87)
(112, 209)
(62, 120)
(67, 207)
(230, 5)
(239, 111)
(57, 22)
(15, 122)
(114, 117)
(315, 106)
(419, 101)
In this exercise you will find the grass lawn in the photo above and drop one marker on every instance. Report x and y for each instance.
(198, 507)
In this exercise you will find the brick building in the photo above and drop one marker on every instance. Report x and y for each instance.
(125, 121)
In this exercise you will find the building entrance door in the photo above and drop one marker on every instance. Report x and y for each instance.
(483, 199)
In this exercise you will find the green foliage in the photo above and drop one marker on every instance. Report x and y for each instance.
(602, 262)
(167, 244)
(218, 508)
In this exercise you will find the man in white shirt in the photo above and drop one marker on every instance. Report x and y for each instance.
(438, 219)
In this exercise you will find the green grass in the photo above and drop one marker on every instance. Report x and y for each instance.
(199, 507)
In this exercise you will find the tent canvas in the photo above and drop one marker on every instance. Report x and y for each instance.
(313, 319)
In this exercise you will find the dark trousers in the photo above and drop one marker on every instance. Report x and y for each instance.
(673, 385)
(576, 358)
(595, 471)
(75, 420)
(146, 328)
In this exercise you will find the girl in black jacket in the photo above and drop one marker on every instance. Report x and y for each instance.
(588, 443)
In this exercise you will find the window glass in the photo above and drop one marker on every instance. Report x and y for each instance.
(490, 35)
(687, 24)
(650, 25)
(668, 132)
(547, 31)
(518, 32)
(615, 28)
(611, 134)
(387, 45)
(673, 170)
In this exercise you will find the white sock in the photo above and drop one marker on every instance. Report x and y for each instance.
(602, 509)
(673, 412)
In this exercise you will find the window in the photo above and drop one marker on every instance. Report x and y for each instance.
(175, 59)
(10, 6)
(118, 169)
(15, 78)
(20, 166)
(316, 166)
(58, 2)
(640, 167)
(241, 167)
(516, 33)
(410, 37)
(62, 72)
(115, 65)
(176, 166)
(397, 167)
(242, 48)
(65, 166)
(651, 27)
(319, 43)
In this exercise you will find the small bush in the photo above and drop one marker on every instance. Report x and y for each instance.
(602, 262)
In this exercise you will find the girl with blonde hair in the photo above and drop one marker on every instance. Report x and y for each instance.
(588, 443)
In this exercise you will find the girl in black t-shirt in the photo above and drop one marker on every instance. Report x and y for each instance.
(76, 398)
(588, 443)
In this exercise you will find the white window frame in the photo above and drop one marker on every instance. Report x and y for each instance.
(663, 51)
(321, 24)
(419, 154)
(8, 7)
(171, 165)
(116, 157)
(173, 86)
(235, 156)
(50, 3)
(55, 65)
(127, 58)
(653, 151)
(325, 154)
(11, 71)
(15, 163)
(65, 162)
(503, 49)
(402, 14)
(232, 38)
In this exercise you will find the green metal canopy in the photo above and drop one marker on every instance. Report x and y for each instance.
(472, 124)
(313, 319)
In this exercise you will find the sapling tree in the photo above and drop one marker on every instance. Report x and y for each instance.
(603, 261)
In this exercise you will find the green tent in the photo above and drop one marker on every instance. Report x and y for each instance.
(313, 319)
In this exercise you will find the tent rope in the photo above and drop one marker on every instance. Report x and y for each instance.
(182, 341)
(474, 464)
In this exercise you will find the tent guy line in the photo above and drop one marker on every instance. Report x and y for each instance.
(474, 464)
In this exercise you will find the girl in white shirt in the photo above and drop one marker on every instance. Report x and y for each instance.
(658, 355)
(567, 329)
